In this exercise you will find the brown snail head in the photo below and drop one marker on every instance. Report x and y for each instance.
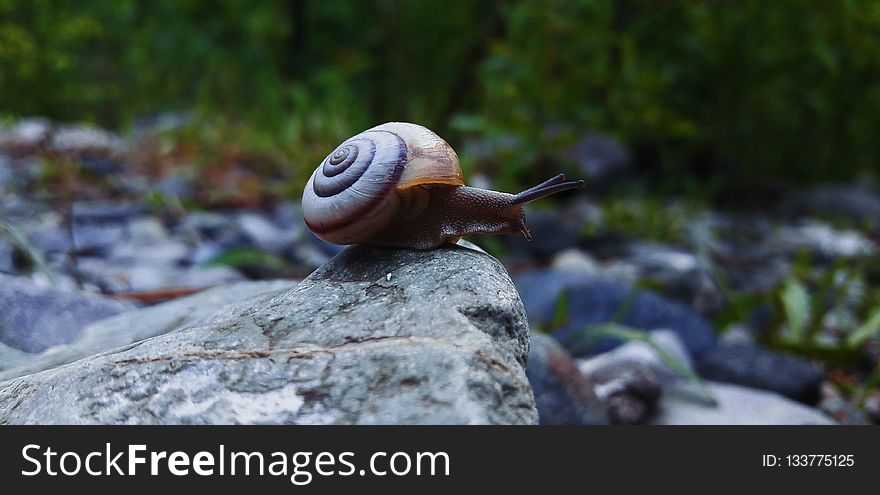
(399, 184)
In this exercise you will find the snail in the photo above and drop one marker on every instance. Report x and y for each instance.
(400, 184)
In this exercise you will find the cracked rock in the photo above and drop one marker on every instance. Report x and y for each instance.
(373, 336)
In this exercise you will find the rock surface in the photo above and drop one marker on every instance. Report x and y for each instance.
(33, 318)
(737, 406)
(564, 396)
(640, 354)
(374, 336)
(630, 379)
(593, 299)
(133, 326)
(753, 366)
(10, 357)
(848, 201)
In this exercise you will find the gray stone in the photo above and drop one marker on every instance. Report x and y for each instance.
(214, 228)
(50, 239)
(549, 235)
(288, 215)
(754, 366)
(176, 186)
(823, 240)
(164, 253)
(679, 273)
(574, 260)
(79, 138)
(264, 234)
(106, 211)
(599, 157)
(10, 357)
(147, 230)
(7, 174)
(872, 407)
(835, 405)
(33, 318)
(855, 202)
(736, 406)
(603, 367)
(205, 276)
(95, 239)
(7, 257)
(26, 135)
(629, 380)
(374, 336)
(101, 165)
(136, 325)
(564, 396)
(158, 122)
(207, 225)
(737, 334)
(206, 252)
(630, 397)
(593, 300)
(130, 272)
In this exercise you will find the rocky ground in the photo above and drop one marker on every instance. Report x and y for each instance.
(135, 289)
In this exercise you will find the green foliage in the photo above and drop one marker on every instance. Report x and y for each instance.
(244, 257)
(746, 92)
(646, 216)
(796, 304)
(779, 90)
(828, 313)
(869, 329)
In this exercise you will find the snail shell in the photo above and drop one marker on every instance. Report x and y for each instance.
(351, 194)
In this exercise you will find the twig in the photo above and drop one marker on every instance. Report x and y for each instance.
(152, 296)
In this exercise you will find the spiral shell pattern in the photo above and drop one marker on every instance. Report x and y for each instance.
(363, 184)
(352, 190)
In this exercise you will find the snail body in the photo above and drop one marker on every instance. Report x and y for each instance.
(400, 184)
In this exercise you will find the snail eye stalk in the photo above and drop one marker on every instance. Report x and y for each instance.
(550, 186)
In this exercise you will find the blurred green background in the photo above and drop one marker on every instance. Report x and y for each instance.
(715, 96)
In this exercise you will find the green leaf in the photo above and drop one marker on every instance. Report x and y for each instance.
(238, 258)
(560, 312)
(870, 328)
(796, 304)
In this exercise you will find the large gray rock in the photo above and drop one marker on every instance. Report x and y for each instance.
(33, 318)
(374, 336)
(133, 326)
